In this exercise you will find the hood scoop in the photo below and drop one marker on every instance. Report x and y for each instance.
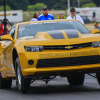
(56, 34)
(72, 33)
(59, 34)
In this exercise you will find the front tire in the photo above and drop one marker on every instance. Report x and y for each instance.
(5, 84)
(23, 83)
(76, 79)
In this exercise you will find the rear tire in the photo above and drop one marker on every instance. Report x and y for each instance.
(23, 83)
(5, 84)
(76, 79)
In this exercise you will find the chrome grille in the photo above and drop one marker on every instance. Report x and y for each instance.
(68, 47)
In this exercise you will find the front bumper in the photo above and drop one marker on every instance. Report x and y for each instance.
(47, 55)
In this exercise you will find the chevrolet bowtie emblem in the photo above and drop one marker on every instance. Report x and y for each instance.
(69, 47)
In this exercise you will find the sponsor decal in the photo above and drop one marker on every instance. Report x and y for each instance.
(49, 18)
(21, 29)
(6, 14)
(85, 11)
(70, 54)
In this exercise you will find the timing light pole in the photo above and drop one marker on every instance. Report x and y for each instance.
(5, 20)
(78, 3)
(68, 4)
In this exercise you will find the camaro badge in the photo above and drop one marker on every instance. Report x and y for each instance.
(68, 47)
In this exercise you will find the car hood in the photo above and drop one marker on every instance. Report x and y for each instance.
(59, 37)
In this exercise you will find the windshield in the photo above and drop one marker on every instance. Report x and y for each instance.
(32, 28)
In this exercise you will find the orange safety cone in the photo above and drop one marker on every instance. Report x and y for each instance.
(27, 11)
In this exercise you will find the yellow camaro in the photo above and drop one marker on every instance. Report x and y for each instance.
(46, 49)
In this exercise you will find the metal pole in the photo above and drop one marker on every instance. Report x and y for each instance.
(4, 9)
(5, 20)
(73, 3)
(68, 4)
(78, 3)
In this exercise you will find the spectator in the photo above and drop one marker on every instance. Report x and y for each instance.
(96, 26)
(45, 15)
(74, 16)
(35, 17)
(61, 16)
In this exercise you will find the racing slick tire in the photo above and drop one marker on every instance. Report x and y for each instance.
(76, 79)
(5, 84)
(98, 77)
(23, 83)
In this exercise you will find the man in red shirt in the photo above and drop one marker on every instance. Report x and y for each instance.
(2, 29)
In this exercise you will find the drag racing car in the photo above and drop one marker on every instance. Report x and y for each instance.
(46, 49)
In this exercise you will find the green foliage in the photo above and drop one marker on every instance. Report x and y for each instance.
(37, 6)
(31, 7)
(62, 4)
(56, 4)
(16, 4)
(7, 8)
(89, 5)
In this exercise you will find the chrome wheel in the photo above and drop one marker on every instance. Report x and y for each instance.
(19, 75)
(23, 83)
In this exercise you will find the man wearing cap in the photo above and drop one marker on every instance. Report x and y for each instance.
(45, 15)
(74, 16)
(96, 26)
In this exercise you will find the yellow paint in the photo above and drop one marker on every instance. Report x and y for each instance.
(44, 39)
(95, 31)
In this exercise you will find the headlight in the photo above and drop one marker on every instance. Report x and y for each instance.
(34, 48)
(96, 44)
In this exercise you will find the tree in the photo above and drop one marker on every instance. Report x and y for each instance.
(31, 7)
(7, 8)
(16, 4)
(56, 4)
(37, 6)
(89, 5)
(97, 2)
(62, 4)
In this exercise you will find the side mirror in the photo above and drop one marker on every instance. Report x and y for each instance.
(6, 37)
(95, 31)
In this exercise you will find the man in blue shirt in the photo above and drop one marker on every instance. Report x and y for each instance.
(45, 15)
(96, 25)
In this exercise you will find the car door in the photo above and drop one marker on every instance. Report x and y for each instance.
(8, 51)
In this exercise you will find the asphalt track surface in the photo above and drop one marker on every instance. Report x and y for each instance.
(57, 89)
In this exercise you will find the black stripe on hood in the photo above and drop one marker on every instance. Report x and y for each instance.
(72, 33)
(56, 34)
